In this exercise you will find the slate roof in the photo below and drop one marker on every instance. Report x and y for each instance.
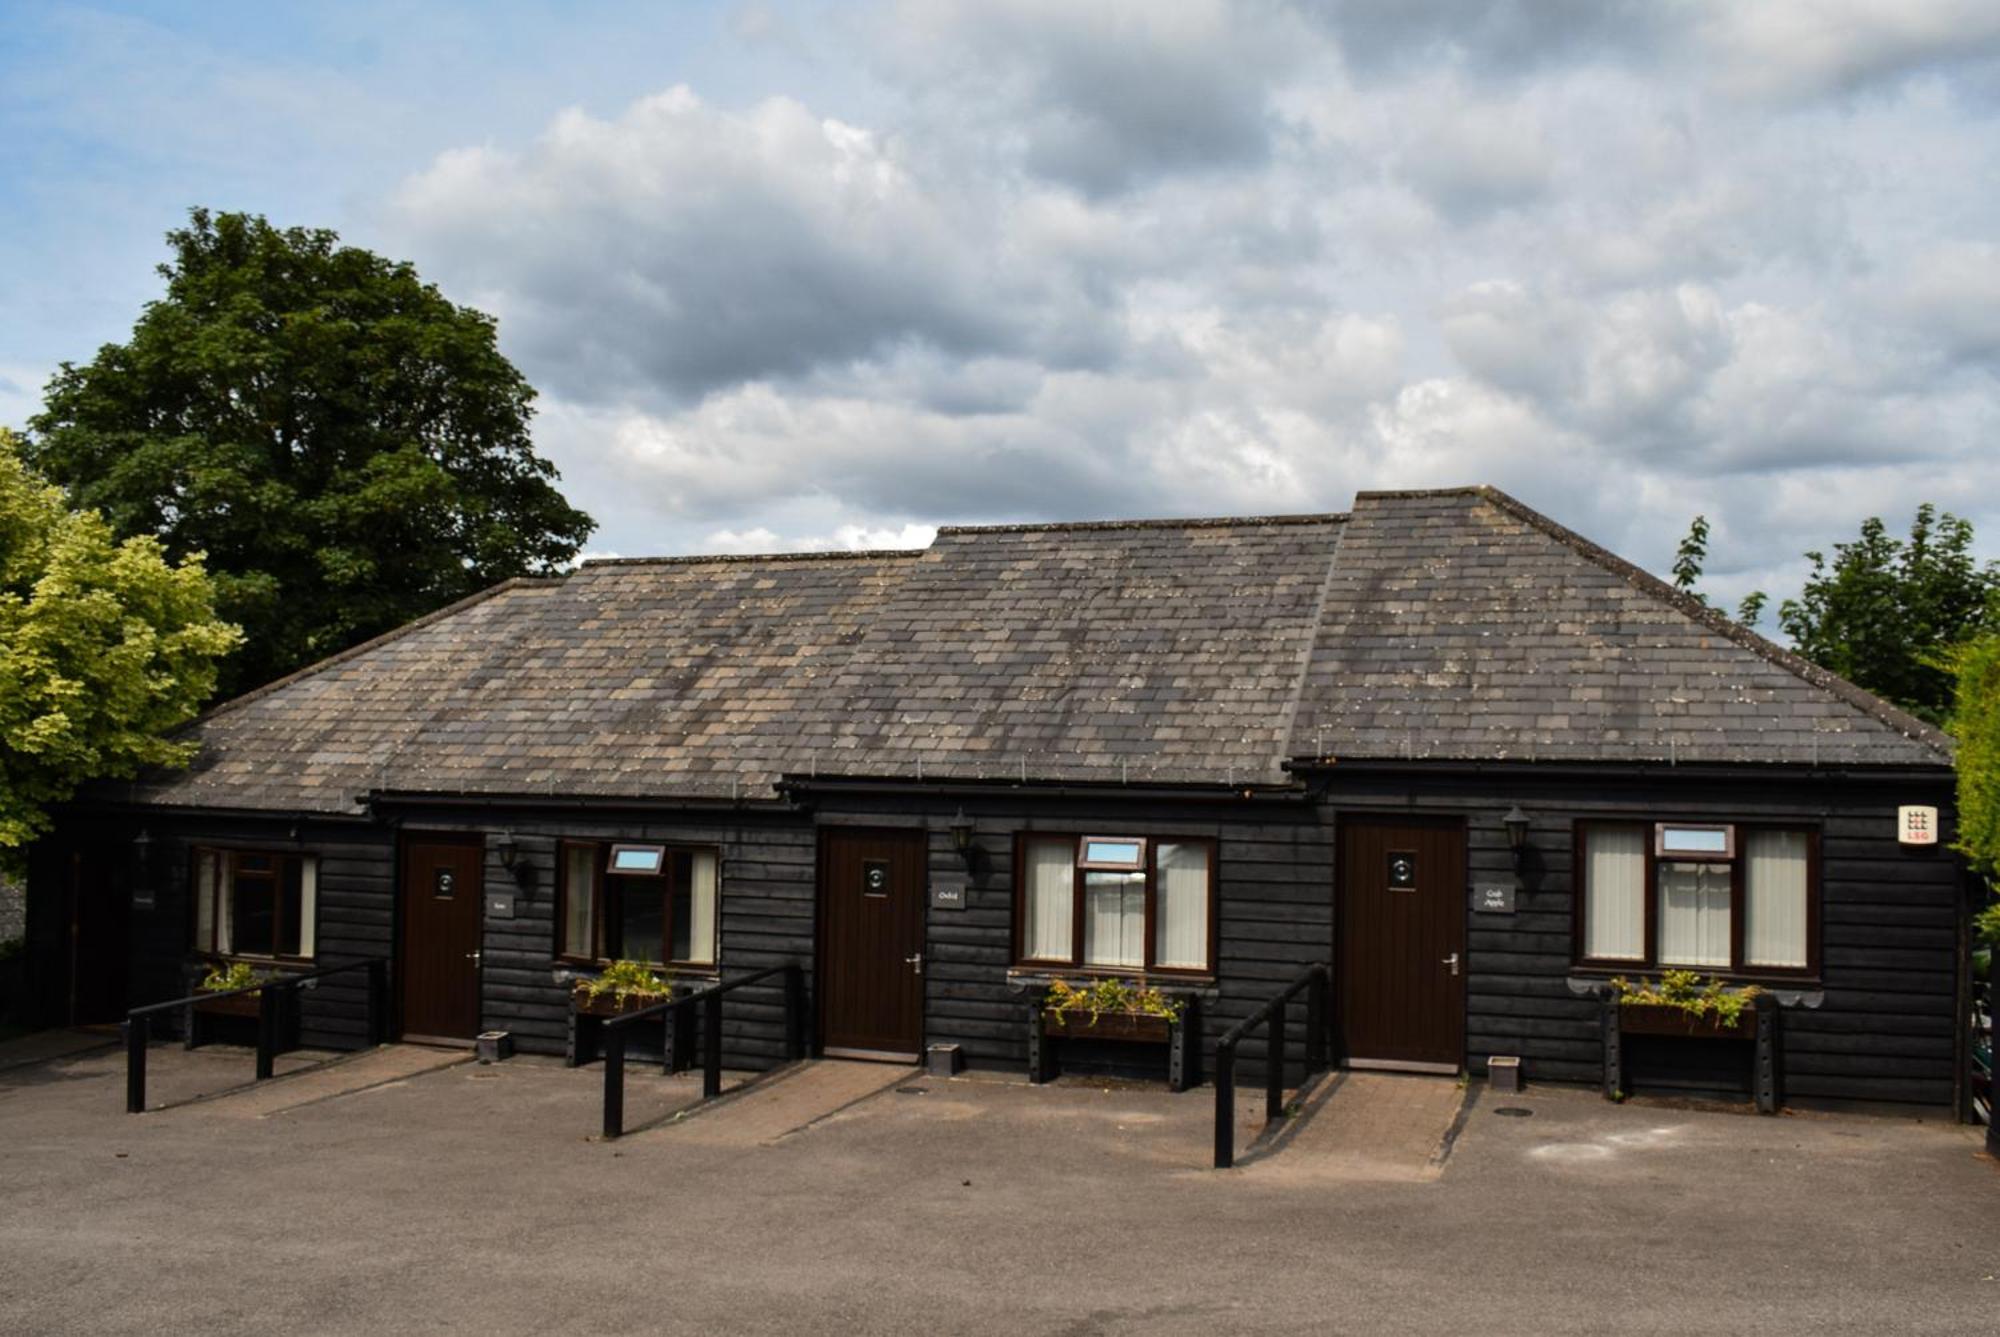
(1440, 625)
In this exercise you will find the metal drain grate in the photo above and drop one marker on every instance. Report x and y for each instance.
(1514, 1112)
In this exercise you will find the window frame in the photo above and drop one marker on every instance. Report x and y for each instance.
(602, 873)
(1738, 904)
(1075, 963)
(280, 858)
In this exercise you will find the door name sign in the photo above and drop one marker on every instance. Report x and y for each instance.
(1493, 898)
(1917, 825)
(500, 905)
(948, 895)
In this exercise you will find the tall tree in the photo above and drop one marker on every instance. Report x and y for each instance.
(104, 646)
(1885, 612)
(349, 448)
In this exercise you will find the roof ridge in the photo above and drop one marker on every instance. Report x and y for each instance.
(375, 642)
(745, 558)
(1646, 582)
(1190, 522)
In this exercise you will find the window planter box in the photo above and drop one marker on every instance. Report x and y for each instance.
(237, 1005)
(609, 1006)
(1663, 1019)
(588, 1015)
(1047, 1028)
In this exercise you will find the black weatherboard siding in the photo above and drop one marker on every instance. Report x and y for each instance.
(1253, 682)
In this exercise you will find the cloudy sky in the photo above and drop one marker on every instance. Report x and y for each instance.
(833, 274)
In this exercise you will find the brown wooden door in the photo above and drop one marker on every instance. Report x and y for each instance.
(871, 984)
(100, 905)
(1401, 951)
(440, 957)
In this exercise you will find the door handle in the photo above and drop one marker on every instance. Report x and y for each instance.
(1452, 961)
(916, 963)
(472, 957)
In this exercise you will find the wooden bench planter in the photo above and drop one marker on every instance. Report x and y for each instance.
(1181, 1035)
(588, 1015)
(1759, 1025)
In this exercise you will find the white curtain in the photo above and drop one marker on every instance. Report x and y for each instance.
(225, 903)
(204, 902)
(1694, 914)
(1182, 913)
(701, 907)
(308, 903)
(1614, 880)
(579, 884)
(1774, 909)
(1114, 919)
(1051, 884)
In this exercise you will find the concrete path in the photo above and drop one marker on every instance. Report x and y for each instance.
(1364, 1125)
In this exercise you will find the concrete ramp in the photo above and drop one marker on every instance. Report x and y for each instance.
(1386, 1127)
(344, 1076)
(785, 1102)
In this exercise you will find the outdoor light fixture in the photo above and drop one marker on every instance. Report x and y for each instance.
(1516, 823)
(507, 850)
(961, 837)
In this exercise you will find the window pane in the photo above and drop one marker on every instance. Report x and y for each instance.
(1127, 852)
(1614, 898)
(636, 858)
(1694, 839)
(579, 886)
(1051, 888)
(1114, 919)
(641, 915)
(308, 920)
(1694, 914)
(1774, 907)
(204, 902)
(225, 896)
(253, 913)
(694, 906)
(290, 895)
(1182, 915)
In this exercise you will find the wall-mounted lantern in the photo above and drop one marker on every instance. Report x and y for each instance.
(1516, 823)
(514, 861)
(961, 837)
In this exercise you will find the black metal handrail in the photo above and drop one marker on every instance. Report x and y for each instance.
(1316, 981)
(137, 1027)
(710, 998)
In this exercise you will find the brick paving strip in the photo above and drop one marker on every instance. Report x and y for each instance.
(788, 1102)
(1390, 1127)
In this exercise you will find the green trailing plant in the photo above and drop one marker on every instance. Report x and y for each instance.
(235, 975)
(627, 979)
(1683, 989)
(1109, 995)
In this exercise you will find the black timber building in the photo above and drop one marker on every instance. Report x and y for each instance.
(1208, 752)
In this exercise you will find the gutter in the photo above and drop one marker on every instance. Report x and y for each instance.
(377, 800)
(1196, 792)
(1325, 767)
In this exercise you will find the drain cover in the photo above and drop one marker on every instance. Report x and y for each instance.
(1513, 1112)
(910, 1091)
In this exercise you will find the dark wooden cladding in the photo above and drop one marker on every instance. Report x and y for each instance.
(441, 904)
(1881, 1025)
(1399, 981)
(872, 901)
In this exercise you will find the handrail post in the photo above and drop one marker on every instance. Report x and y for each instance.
(135, 1063)
(711, 1045)
(613, 1040)
(267, 1030)
(1225, 1104)
(1274, 1064)
(378, 1000)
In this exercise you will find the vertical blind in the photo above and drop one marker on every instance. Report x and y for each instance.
(1614, 915)
(1182, 915)
(1114, 919)
(1051, 883)
(1694, 914)
(1774, 907)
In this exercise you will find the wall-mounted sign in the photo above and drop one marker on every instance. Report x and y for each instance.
(948, 895)
(500, 905)
(143, 898)
(1493, 898)
(1917, 825)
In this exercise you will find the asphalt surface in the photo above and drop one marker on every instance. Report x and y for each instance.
(473, 1199)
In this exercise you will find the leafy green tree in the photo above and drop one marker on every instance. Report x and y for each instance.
(104, 646)
(1975, 722)
(1884, 612)
(1689, 558)
(349, 448)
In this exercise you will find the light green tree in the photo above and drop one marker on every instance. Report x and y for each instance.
(104, 647)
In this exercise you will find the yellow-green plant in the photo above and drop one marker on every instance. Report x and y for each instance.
(235, 975)
(1683, 989)
(627, 979)
(1109, 995)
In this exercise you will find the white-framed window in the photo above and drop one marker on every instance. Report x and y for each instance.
(1714, 897)
(1133, 903)
(256, 903)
